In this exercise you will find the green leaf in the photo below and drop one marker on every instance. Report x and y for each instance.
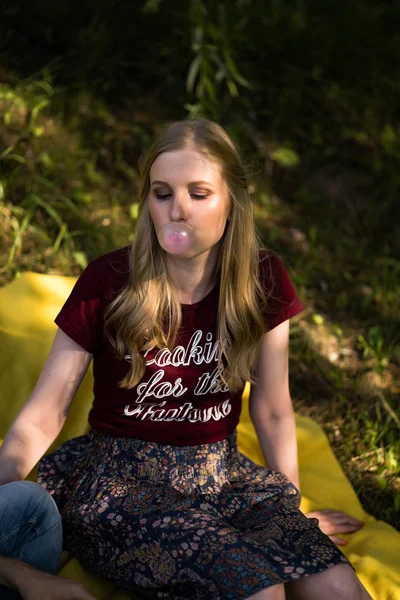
(234, 92)
(388, 138)
(287, 157)
(72, 207)
(134, 210)
(192, 74)
(194, 110)
(36, 109)
(61, 234)
(45, 159)
(348, 276)
(234, 71)
(34, 200)
(151, 7)
(81, 259)
(7, 156)
(382, 482)
(37, 131)
(273, 234)
(44, 85)
(392, 460)
(209, 86)
(312, 234)
(197, 37)
(318, 319)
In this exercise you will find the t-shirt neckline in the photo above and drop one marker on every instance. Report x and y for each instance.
(195, 305)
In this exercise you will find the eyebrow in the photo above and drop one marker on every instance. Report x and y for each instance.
(191, 183)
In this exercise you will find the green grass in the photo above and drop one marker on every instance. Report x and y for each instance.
(68, 177)
(345, 347)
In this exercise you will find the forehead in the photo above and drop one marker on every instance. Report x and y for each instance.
(185, 165)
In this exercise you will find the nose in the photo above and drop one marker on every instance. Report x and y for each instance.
(179, 207)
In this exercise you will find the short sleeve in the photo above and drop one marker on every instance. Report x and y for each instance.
(81, 317)
(282, 299)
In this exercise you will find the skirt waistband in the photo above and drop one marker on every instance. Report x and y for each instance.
(206, 465)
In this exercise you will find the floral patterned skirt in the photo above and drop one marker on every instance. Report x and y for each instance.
(182, 522)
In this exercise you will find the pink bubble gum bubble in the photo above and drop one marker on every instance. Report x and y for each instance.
(176, 238)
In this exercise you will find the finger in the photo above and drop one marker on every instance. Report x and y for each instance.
(341, 517)
(337, 540)
(354, 521)
(345, 528)
(346, 523)
(330, 511)
(86, 596)
(334, 528)
(338, 521)
(81, 593)
(336, 514)
(339, 514)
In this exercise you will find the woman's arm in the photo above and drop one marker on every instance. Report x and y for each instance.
(36, 585)
(271, 407)
(40, 420)
(272, 413)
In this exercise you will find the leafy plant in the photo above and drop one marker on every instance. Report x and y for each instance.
(213, 65)
(374, 347)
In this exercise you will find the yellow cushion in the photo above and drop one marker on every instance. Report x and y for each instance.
(27, 308)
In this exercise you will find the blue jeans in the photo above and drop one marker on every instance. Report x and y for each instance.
(30, 528)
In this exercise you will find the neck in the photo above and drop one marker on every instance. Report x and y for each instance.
(193, 277)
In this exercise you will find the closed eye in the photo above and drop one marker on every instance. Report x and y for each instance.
(195, 196)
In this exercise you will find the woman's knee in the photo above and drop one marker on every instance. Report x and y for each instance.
(275, 592)
(336, 583)
(31, 502)
(344, 584)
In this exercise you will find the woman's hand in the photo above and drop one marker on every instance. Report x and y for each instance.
(37, 585)
(332, 522)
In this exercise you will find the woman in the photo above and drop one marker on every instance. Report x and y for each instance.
(157, 497)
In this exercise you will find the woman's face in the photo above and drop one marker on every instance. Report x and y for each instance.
(187, 187)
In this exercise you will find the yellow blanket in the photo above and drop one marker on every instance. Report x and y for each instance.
(27, 308)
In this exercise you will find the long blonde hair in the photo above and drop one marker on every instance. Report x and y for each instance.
(147, 313)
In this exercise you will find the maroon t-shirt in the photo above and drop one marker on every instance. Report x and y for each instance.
(180, 399)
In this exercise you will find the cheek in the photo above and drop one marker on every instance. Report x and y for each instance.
(217, 214)
(220, 217)
(215, 225)
(212, 228)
